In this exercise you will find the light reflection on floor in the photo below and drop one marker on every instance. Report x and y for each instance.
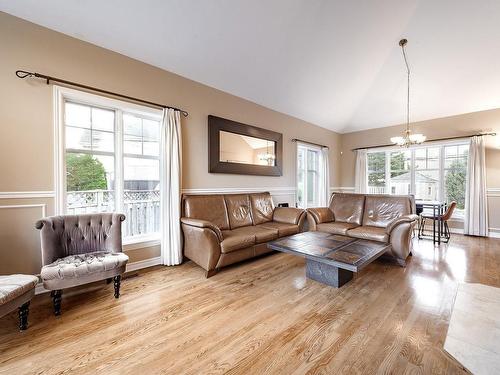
(434, 266)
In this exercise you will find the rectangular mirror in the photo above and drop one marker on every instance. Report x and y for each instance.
(243, 149)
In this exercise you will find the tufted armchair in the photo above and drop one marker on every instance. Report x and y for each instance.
(81, 249)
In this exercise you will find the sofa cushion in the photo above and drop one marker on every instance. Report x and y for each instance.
(284, 229)
(381, 210)
(369, 233)
(262, 234)
(237, 239)
(82, 265)
(13, 286)
(211, 208)
(336, 227)
(347, 208)
(262, 208)
(238, 210)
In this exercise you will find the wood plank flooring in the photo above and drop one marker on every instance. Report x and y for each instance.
(261, 316)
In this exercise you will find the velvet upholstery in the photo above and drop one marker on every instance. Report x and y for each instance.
(78, 249)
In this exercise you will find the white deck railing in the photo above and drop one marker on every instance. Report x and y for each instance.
(376, 190)
(142, 208)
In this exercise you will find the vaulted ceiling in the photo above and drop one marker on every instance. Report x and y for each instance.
(334, 63)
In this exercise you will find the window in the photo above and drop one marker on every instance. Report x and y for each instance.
(111, 161)
(437, 172)
(400, 174)
(308, 176)
(376, 172)
(455, 174)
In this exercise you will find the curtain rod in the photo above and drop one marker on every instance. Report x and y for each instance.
(310, 143)
(430, 140)
(24, 74)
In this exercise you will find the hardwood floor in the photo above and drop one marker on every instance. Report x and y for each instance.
(261, 316)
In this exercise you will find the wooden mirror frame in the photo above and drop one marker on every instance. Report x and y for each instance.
(218, 124)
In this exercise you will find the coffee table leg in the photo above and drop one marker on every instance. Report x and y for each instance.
(327, 274)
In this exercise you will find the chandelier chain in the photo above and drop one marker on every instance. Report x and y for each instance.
(408, 88)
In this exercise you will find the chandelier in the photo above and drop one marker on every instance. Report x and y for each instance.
(267, 157)
(408, 138)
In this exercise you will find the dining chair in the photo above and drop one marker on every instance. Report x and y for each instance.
(444, 218)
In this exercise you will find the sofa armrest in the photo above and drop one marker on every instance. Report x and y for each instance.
(321, 214)
(203, 224)
(400, 220)
(288, 215)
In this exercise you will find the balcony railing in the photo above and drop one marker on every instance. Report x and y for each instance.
(376, 190)
(142, 208)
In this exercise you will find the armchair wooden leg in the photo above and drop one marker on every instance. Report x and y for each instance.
(56, 299)
(23, 316)
(117, 282)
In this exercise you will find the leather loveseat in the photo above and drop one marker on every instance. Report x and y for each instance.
(382, 218)
(224, 229)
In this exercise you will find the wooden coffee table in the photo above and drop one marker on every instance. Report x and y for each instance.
(330, 259)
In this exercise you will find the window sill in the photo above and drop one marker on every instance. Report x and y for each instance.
(140, 242)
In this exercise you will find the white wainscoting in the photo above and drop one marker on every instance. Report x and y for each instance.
(490, 192)
(42, 206)
(342, 189)
(276, 191)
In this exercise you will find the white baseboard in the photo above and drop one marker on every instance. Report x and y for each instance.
(39, 289)
(143, 264)
(494, 232)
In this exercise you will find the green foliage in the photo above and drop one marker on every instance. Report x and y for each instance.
(84, 172)
(455, 183)
(398, 164)
(376, 167)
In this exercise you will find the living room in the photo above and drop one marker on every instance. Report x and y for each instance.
(249, 187)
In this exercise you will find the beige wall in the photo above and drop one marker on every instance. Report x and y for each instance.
(26, 122)
(463, 125)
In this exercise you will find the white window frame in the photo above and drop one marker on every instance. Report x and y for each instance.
(441, 145)
(62, 94)
(317, 149)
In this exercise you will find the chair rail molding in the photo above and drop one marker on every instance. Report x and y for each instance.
(26, 194)
(276, 191)
(341, 188)
(493, 192)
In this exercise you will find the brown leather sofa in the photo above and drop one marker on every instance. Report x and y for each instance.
(382, 218)
(224, 229)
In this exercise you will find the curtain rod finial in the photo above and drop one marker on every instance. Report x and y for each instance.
(23, 74)
(403, 42)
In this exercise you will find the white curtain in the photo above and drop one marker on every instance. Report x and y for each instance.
(476, 208)
(324, 191)
(170, 175)
(360, 179)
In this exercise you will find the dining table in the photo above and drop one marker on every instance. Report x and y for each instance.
(438, 209)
